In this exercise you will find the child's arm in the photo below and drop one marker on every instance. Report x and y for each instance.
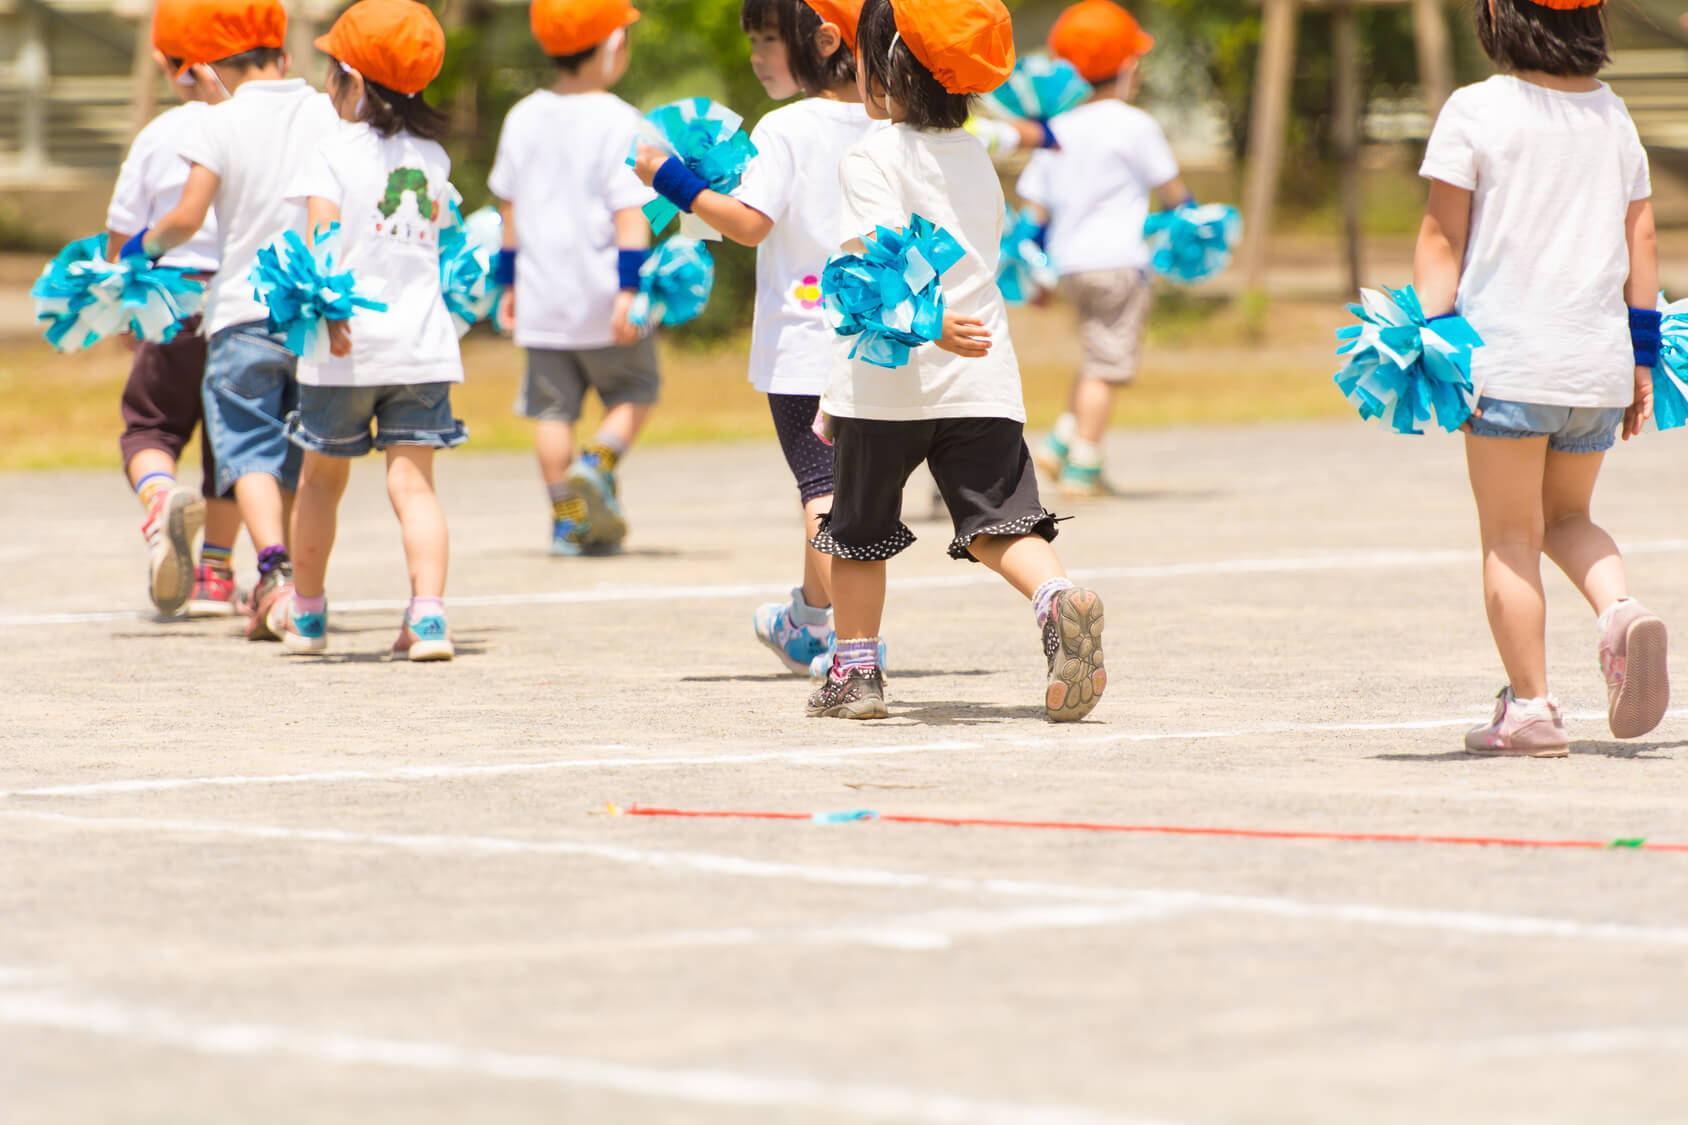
(320, 214)
(633, 239)
(740, 222)
(189, 214)
(1174, 194)
(504, 270)
(1641, 292)
(1440, 255)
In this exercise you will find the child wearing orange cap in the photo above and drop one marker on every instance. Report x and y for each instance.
(957, 405)
(787, 207)
(572, 211)
(1094, 195)
(386, 182)
(162, 404)
(1539, 231)
(241, 156)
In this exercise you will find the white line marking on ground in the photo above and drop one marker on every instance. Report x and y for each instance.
(609, 594)
(1453, 921)
(1585, 1041)
(705, 1086)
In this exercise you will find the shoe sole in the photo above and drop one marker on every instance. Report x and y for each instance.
(1644, 696)
(261, 626)
(303, 646)
(604, 524)
(1522, 752)
(172, 576)
(1051, 465)
(566, 550)
(1078, 680)
(856, 709)
(1083, 491)
(427, 652)
(199, 608)
(795, 668)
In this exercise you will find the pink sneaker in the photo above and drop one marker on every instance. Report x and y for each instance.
(1632, 657)
(1528, 730)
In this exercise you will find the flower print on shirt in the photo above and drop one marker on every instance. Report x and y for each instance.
(808, 292)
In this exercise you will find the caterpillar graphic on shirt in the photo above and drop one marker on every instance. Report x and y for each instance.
(412, 182)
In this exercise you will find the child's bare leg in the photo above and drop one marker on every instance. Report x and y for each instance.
(1093, 406)
(263, 509)
(1577, 545)
(427, 542)
(622, 425)
(145, 462)
(222, 522)
(1507, 478)
(817, 565)
(858, 593)
(1027, 561)
(322, 482)
(553, 441)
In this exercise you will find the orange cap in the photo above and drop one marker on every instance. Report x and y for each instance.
(568, 27)
(206, 31)
(1098, 37)
(1568, 5)
(842, 14)
(395, 43)
(968, 45)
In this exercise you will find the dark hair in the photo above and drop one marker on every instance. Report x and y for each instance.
(255, 59)
(390, 113)
(1522, 35)
(571, 64)
(797, 25)
(893, 68)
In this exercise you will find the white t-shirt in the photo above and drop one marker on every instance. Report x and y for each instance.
(1097, 186)
(392, 193)
(1552, 175)
(947, 177)
(255, 142)
(150, 185)
(794, 181)
(562, 161)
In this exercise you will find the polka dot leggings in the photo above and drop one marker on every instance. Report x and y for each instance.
(809, 458)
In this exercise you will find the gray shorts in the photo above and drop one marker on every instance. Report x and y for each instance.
(1568, 429)
(1113, 315)
(554, 388)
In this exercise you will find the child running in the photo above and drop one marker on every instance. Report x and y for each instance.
(161, 402)
(787, 207)
(572, 209)
(242, 155)
(385, 180)
(958, 409)
(1093, 194)
(1539, 231)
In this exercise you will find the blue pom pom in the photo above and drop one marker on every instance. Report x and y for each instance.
(1039, 88)
(1024, 271)
(300, 287)
(890, 296)
(708, 139)
(1670, 374)
(674, 284)
(82, 298)
(1404, 370)
(1193, 242)
(468, 266)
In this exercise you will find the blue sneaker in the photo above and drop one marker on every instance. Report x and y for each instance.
(304, 633)
(606, 527)
(795, 630)
(568, 538)
(822, 664)
(427, 639)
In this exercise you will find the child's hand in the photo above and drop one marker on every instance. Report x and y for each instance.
(1642, 408)
(964, 336)
(625, 331)
(505, 314)
(339, 338)
(649, 161)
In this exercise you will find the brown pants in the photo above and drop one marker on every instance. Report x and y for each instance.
(162, 402)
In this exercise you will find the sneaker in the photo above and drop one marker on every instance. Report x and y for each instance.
(1632, 657)
(568, 538)
(214, 594)
(1051, 455)
(427, 639)
(822, 664)
(1076, 483)
(174, 519)
(1072, 640)
(304, 633)
(605, 525)
(858, 695)
(270, 604)
(797, 646)
(1532, 730)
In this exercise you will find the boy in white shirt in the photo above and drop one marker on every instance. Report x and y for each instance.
(242, 156)
(1094, 194)
(572, 209)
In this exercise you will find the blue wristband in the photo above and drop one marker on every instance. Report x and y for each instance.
(504, 267)
(1049, 138)
(1645, 328)
(1443, 316)
(679, 184)
(1040, 236)
(628, 264)
(136, 246)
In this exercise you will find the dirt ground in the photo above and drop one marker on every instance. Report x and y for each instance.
(237, 886)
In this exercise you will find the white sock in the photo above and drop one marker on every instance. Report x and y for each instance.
(1605, 619)
(1066, 429)
(1083, 454)
(802, 613)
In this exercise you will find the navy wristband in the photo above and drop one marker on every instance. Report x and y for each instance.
(136, 246)
(504, 267)
(1049, 138)
(1040, 236)
(1645, 327)
(628, 264)
(1442, 316)
(679, 184)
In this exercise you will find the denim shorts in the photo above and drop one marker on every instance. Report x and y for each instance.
(336, 421)
(1568, 429)
(250, 390)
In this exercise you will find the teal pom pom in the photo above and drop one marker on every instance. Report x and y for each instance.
(1039, 88)
(82, 298)
(467, 250)
(890, 296)
(674, 284)
(1406, 371)
(1193, 242)
(1670, 374)
(1024, 272)
(300, 287)
(709, 140)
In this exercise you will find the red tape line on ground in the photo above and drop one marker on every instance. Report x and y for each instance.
(1158, 829)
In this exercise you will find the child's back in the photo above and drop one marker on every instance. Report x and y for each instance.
(151, 181)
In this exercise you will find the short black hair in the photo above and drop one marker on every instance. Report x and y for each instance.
(893, 68)
(797, 25)
(571, 64)
(390, 113)
(255, 59)
(1522, 35)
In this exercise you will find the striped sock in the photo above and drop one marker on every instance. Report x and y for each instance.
(219, 559)
(151, 485)
(605, 452)
(862, 653)
(1043, 602)
(573, 508)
